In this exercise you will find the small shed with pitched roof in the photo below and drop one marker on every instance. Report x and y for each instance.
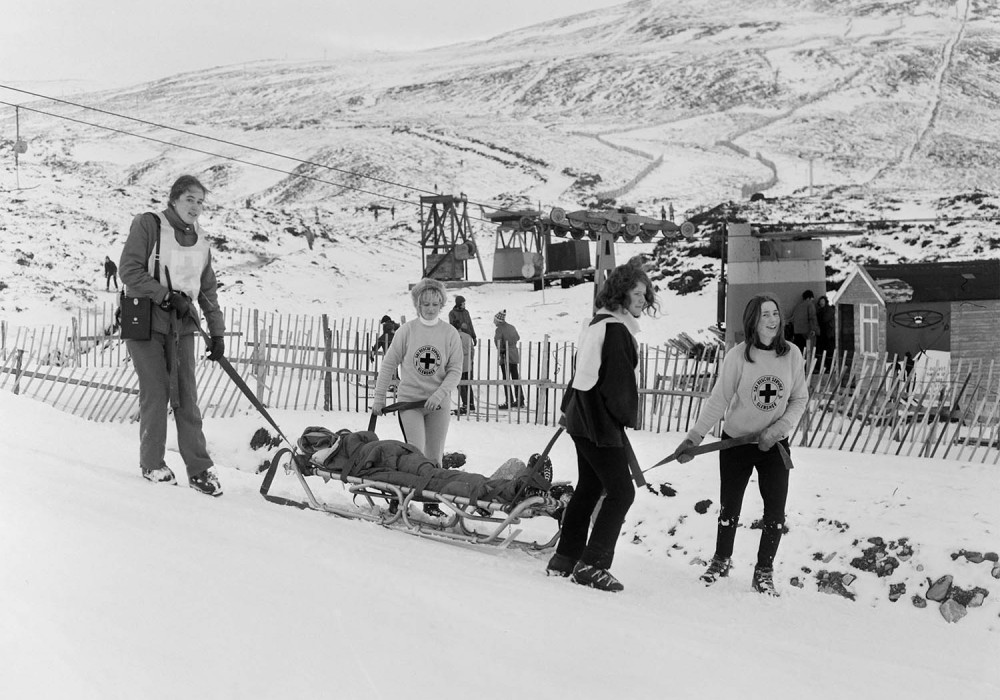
(911, 307)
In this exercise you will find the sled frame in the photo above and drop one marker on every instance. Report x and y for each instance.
(455, 528)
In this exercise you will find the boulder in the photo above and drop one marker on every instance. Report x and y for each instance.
(702, 506)
(918, 602)
(972, 557)
(835, 583)
(939, 590)
(970, 599)
(992, 556)
(996, 571)
(896, 591)
(952, 611)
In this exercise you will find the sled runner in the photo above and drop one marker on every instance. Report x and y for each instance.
(388, 476)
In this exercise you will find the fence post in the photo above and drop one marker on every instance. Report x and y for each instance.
(75, 341)
(542, 397)
(17, 374)
(327, 362)
(258, 369)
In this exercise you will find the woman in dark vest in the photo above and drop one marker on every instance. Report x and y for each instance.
(602, 400)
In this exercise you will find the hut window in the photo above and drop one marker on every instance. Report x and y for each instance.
(869, 328)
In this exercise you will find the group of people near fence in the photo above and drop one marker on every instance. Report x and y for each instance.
(760, 392)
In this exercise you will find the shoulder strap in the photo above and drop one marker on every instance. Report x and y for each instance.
(598, 318)
(156, 255)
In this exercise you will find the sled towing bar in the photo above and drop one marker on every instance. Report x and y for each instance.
(723, 445)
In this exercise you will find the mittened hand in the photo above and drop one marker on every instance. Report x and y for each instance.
(767, 439)
(217, 349)
(682, 454)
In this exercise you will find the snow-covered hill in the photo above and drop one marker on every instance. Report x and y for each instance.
(847, 109)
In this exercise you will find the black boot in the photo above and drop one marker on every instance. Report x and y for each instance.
(763, 580)
(717, 568)
(594, 577)
(560, 565)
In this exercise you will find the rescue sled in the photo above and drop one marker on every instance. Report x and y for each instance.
(386, 501)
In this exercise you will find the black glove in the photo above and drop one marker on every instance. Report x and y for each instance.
(179, 302)
(217, 349)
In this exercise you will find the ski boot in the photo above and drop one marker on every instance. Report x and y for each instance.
(206, 482)
(717, 568)
(560, 565)
(593, 577)
(159, 475)
(763, 580)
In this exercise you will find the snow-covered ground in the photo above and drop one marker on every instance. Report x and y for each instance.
(111, 587)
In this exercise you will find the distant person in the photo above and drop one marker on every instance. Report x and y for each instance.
(826, 341)
(506, 339)
(392, 211)
(907, 365)
(601, 401)
(468, 356)
(165, 363)
(805, 324)
(760, 390)
(460, 315)
(428, 353)
(110, 274)
(384, 340)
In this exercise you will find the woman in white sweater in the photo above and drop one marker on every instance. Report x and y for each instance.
(761, 390)
(428, 353)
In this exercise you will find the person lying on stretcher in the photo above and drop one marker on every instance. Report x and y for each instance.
(363, 455)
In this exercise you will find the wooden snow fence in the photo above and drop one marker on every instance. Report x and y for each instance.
(865, 404)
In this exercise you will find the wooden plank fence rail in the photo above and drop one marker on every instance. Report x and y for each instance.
(866, 404)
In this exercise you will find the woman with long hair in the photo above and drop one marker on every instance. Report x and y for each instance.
(761, 390)
(601, 401)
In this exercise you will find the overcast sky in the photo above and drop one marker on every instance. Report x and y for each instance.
(110, 43)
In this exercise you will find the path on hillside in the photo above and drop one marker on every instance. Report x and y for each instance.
(841, 83)
(947, 56)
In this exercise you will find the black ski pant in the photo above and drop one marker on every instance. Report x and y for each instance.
(735, 467)
(602, 470)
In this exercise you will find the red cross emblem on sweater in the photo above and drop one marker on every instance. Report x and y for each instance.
(426, 360)
(766, 392)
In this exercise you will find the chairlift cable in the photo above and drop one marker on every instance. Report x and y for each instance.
(227, 143)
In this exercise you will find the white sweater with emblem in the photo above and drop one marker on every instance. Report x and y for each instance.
(751, 396)
(429, 358)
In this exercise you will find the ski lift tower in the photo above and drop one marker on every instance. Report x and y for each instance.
(446, 239)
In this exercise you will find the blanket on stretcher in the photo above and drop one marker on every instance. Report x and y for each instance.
(363, 455)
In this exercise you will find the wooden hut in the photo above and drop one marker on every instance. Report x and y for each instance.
(952, 307)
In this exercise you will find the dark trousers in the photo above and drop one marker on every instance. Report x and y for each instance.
(465, 393)
(107, 281)
(735, 467)
(515, 375)
(602, 470)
